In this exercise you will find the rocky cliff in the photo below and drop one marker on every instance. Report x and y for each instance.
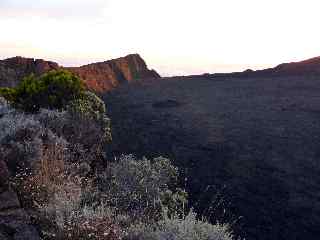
(104, 76)
(13, 70)
(99, 77)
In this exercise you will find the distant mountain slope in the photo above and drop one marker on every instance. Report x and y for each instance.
(99, 77)
(309, 67)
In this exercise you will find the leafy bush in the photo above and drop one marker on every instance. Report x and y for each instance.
(88, 137)
(39, 184)
(175, 228)
(74, 220)
(24, 136)
(65, 200)
(84, 121)
(4, 107)
(8, 93)
(52, 90)
(50, 177)
(90, 107)
(140, 188)
(55, 189)
(23, 140)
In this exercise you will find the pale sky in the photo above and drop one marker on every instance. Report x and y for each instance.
(175, 37)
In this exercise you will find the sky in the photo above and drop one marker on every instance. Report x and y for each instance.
(175, 37)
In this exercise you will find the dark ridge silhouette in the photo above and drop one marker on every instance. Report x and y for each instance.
(309, 67)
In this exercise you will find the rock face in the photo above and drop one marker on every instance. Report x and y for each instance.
(99, 77)
(14, 221)
(13, 70)
(107, 75)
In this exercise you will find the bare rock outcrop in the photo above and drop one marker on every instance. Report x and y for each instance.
(98, 77)
(13, 70)
(104, 76)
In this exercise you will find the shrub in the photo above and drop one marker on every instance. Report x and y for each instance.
(46, 176)
(55, 189)
(24, 137)
(140, 188)
(52, 90)
(77, 221)
(8, 93)
(175, 228)
(64, 196)
(132, 210)
(88, 136)
(23, 140)
(89, 107)
(4, 107)
(50, 178)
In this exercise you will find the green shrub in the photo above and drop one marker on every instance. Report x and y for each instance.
(8, 93)
(89, 106)
(53, 90)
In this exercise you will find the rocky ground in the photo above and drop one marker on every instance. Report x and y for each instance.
(253, 141)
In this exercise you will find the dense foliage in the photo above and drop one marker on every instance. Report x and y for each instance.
(89, 106)
(141, 187)
(176, 228)
(53, 90)
(8, 93)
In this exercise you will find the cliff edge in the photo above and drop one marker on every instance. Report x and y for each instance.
(99, 77)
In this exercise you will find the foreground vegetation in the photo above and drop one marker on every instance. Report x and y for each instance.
(54, 136)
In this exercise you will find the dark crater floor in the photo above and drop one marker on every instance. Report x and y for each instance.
(250, 146)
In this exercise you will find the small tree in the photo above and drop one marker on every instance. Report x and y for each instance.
(53, 90)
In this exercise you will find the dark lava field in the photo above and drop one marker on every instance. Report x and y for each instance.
(249, 148)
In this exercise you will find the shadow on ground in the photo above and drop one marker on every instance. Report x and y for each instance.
(249, 146)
